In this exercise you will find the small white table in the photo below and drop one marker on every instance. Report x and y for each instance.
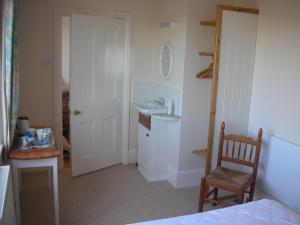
(33, 159)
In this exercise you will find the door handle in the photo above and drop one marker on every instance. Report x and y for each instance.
(76, 112)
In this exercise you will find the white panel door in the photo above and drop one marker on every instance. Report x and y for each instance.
(96, 95)
(237, 57)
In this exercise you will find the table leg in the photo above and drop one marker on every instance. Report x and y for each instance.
(55, 192)
(50, 178)
(16, 190)
(20, 179)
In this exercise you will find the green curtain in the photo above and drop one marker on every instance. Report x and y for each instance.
(10, 72)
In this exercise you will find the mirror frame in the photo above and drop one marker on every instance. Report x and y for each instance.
(170, 71)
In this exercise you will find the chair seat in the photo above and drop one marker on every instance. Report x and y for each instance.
(228, 179)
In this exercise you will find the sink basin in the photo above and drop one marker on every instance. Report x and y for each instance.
(164, 116)
(150, 107)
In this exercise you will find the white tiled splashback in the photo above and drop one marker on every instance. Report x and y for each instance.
(146, 90)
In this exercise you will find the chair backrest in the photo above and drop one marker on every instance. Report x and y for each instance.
(239, 149)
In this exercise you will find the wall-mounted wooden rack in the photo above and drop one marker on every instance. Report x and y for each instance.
(201, 152)
(206, 54)
(213, 71)
(214, 90)
(208, 73)
(211, 23)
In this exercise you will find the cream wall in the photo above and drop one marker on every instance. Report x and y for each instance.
(276, 88)
(37, 51)
(276, 97)
(172, 11)
(245, 3)
(165, 10)
(37, 48)
(196, 93)
(275, 102)
(188, 38)
(65, 55)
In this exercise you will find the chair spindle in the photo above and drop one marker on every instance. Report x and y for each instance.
(251, 152)
(245, 151)
(239, 153)
(233, 149)
(227, 148)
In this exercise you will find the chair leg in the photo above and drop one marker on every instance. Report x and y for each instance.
(202, 195)
(241, 197)
(251, 194)
(215, 198)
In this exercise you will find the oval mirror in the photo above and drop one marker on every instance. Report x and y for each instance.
(166, 60)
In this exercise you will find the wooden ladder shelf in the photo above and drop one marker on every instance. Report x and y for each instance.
(206, 54)
(201, 152)
(208, 73)
(213, 71)
(211, 23)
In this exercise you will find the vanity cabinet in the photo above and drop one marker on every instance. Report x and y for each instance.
(158, 147)
(144, 140)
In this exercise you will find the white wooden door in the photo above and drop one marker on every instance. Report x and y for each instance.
(97, 56)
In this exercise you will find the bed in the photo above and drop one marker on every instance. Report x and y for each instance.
(262, 212)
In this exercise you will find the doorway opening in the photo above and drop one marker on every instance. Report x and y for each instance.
(65, 57)
(113, 88)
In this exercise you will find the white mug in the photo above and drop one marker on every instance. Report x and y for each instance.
(39, 133)
(24, 142)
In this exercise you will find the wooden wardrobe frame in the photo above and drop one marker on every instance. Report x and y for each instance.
(214, 90)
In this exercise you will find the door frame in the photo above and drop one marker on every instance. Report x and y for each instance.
(67, 12)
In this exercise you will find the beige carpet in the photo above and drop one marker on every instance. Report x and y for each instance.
(113, 196)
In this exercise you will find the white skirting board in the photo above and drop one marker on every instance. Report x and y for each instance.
(151, 177)
(178, 179)
(280, 175)
(186, 178)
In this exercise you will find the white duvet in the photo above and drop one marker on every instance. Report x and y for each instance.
(262, 212)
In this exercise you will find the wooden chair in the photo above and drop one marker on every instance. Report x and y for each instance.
(235, 149)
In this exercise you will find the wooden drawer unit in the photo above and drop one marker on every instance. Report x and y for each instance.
(145, 120)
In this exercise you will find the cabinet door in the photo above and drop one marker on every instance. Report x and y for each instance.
(164, 135)
(147, 148)
(143, 147)
(140, 144)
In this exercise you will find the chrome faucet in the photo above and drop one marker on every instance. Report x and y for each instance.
(160, 100)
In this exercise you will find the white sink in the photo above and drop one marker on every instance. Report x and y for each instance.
(165, 116)
(150, 107)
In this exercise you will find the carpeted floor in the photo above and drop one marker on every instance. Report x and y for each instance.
(113, 196)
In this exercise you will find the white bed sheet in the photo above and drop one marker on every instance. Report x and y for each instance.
(262, 212)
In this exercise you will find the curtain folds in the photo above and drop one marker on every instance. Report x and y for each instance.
(9, 72)
(15, 73)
